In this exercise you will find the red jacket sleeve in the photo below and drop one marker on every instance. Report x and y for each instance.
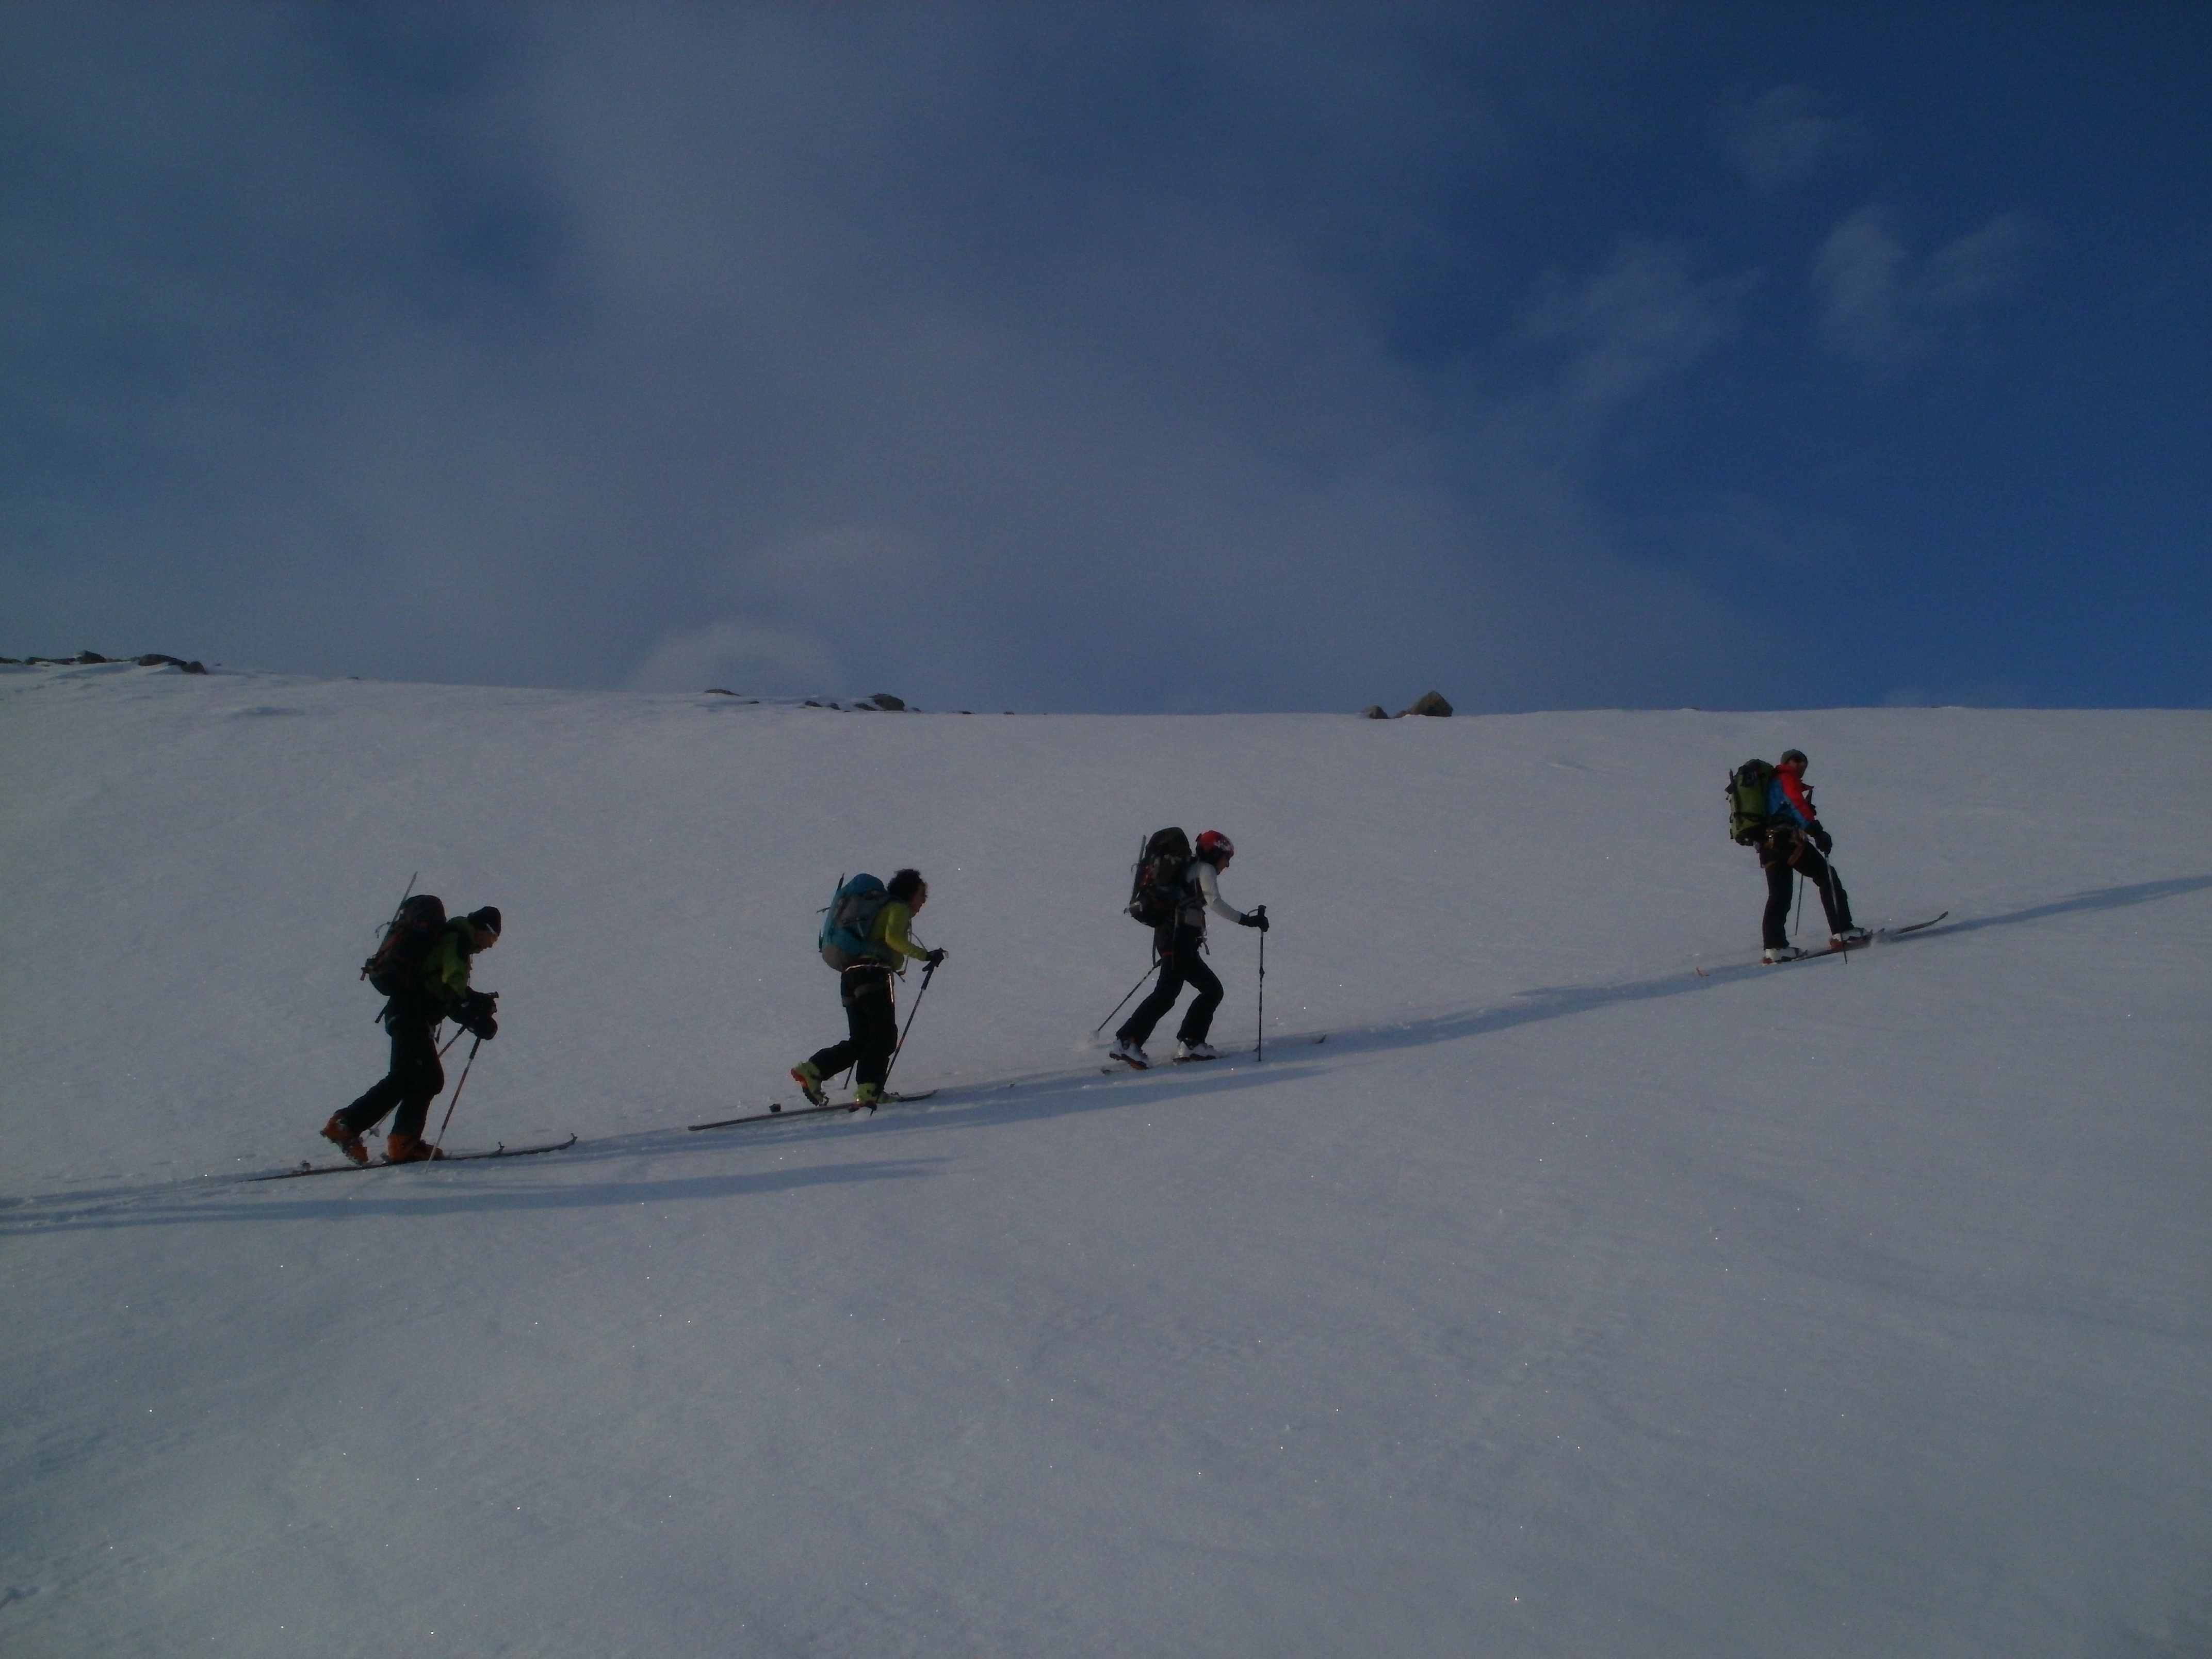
(1794, 787)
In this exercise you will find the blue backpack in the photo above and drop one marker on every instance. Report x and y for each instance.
(845, 923)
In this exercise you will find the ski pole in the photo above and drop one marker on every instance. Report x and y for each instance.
(927, 973)
(1126, 994)
(1260, 1047)
(439, 1144)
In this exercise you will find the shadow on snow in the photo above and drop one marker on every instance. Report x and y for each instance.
(429, 1191)
(1036, 1096)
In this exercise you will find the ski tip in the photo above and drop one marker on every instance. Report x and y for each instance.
(1912, 927)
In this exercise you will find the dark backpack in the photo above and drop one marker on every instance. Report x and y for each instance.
(396, 967)
(1746, 792)
(852, 911)
(1157, 889)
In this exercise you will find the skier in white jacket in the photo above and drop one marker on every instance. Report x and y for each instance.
(1180, 944)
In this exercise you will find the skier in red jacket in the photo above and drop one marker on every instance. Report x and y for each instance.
(1793, 846)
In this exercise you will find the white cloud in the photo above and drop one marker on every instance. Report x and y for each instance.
(1641, 319)
(1884, 307)
(1040, 358)
(1782, 137)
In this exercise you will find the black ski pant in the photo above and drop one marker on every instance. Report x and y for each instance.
(870, 1026)
(1180, 964)
(415, 1078)
(1798, 857)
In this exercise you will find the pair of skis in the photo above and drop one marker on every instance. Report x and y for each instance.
(1129, 1067)
(501, 1150)
(775, 1113)
(1878, 936)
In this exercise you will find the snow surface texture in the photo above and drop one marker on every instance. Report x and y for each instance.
(1589, 1292)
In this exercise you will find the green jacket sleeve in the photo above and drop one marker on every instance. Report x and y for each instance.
(891, 923)
(446, 974)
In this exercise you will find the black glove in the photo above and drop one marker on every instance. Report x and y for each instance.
(1822, 839)
(1255, 918)
(473, 1013)
(934, 957)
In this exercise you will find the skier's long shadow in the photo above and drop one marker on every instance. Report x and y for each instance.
(1059, 1095)
(179, 1204)
(1558, 1002)
(432, 1190)
(1039, 1095)
(1049, 1094)
(2098, 898)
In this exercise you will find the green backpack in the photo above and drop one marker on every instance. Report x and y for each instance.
(1747, 793)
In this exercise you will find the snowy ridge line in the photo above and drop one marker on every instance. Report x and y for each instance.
(32, 673)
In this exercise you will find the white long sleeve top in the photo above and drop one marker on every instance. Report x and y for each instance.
(1204, 881)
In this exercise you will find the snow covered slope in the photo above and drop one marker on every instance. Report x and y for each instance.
(1587, 1291)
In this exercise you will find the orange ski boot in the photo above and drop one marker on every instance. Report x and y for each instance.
(408, 1149)
(345, 1140)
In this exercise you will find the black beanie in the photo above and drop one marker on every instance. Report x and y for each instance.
(487, 918)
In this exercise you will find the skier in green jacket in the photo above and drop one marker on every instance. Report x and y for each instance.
(436, 990)
(864, 986)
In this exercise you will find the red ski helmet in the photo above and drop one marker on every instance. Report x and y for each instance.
(1215, 848)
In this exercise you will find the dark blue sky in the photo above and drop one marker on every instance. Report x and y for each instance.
(1127, 358)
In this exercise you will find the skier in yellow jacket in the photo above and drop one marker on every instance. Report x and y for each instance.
(865, 939)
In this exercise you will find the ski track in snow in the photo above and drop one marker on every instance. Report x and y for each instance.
(1588, 1291)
